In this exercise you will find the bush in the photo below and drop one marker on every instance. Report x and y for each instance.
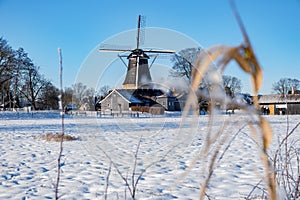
(157, 110)
(57, 137)
(140, 108)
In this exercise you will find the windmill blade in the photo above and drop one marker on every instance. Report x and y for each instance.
(142, 30)
(114, 50)
(138, 32)
(159, 51)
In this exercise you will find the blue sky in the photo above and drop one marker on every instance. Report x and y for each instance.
(79, 27)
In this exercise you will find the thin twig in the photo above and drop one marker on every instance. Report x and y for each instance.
(256, 186)
(107, 181)
(284, 165)
(62, 128)
(283, 142)
(125, 179)
(134, 185)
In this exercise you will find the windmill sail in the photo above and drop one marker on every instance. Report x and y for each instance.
(138, 33)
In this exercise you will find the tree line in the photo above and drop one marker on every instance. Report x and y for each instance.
(183, 66)
(22, 84)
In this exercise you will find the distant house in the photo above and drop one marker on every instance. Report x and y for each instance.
(276, 104)
(169, 102)
(127, 99)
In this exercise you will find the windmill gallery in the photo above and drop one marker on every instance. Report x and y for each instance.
(138, 91)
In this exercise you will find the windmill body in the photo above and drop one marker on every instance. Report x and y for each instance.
(138, 73)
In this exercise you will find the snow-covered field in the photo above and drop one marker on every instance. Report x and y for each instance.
(164, 150)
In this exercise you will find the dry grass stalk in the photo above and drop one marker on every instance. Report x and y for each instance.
(245, 58)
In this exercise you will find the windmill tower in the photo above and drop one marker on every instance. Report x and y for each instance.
(138, 73)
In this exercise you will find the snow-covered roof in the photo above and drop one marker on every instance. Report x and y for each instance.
(138, 96)
(278, 98)
(128, 95)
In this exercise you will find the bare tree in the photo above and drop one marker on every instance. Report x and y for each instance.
(49, 97)
(6, 70)
(6, 58)
(232, 85)
(183, 62)
(104, 90)
(67, 96)
(21, 63)
(13, 65)
(32, 85)
(89, 99)
(284, 85)
(20, 78)
(79, 95)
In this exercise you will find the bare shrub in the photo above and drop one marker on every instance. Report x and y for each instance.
(156, 110)
(140, 108)
(286, 163)
(50, 137)
(131, 178)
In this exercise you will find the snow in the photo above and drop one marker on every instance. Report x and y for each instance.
(171, 157)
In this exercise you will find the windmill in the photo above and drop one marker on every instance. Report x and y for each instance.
(138, 72)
